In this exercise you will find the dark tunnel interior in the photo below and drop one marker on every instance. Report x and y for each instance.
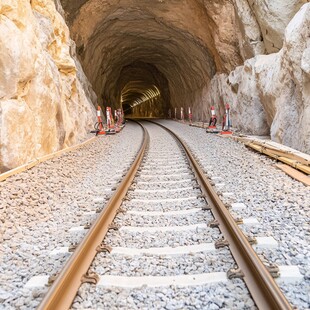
(148, 59)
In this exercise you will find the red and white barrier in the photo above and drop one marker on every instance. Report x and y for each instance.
(213, 119)
(99, 125)
(190, 116)
(182, 114)
(122, 120)
(226, 122)
(118, 120)
(110, 121)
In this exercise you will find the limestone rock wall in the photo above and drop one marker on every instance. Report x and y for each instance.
(273, 16)
(271, 93)
(45, 99)
(251, 54)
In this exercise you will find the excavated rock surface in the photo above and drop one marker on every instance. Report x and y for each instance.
(273, 91)
(193, 52)
(45, 99)
(251, 54)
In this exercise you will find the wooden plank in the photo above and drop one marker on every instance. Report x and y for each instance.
(299, 176)
(17, 170)
(295, 164)
(286, 154)
(273, 149)
(35, 162)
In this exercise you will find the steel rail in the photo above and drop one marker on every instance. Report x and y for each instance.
(63, 291)
(263, 289)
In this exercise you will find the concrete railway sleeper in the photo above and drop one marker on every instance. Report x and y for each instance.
(165, 232)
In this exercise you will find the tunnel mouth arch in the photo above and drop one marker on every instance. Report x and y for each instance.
(143, 89)
(122, 46)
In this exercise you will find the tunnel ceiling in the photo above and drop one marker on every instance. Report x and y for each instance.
(129, 47)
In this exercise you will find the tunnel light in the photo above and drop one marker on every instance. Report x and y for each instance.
(145, 94)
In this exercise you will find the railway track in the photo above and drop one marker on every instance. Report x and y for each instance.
(164, 234)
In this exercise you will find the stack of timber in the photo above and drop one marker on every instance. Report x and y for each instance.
(294, 163)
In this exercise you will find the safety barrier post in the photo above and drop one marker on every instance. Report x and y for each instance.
(190, 116)
(99, 125)
(213, 119)
(226, 122)
(110, 121)
(182, 115)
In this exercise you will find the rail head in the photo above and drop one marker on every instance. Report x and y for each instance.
(63, 291)
(264, 290)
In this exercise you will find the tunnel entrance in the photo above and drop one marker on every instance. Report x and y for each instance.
(143, 91)
(147, 58)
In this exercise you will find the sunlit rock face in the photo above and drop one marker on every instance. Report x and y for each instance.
(269, 94)
(150, 57)
(45, 99)
(198, 54)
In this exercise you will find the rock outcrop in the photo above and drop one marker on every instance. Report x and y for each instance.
(45, 101)
(251, 54)
(269, 94)
(202, 52)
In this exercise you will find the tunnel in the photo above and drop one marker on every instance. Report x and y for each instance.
(147, 58)
(152, 59)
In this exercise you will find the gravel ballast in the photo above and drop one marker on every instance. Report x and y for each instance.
(279, 203)
(149, 232)
(39, 206)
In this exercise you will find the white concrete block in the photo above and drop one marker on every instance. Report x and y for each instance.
(238, 206)
(250, 221)
(91, 213)
(203, 247)
(163, 228)
(99, 199)
(184, 174)
(163, 200)
(166, 182)
(37, 281)
(151, 281)
(266, 243)
(168, 213)
(61, 250)
(162, 190)
(77, 229)
(289, 274)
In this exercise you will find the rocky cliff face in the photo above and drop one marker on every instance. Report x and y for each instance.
(209, 53)
(269, 94)
(45, 100)
(251, 54)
